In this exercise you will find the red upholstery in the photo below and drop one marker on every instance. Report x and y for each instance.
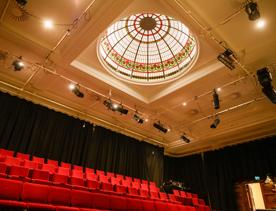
(172, 207)
(40, 176)
(128, 178)
(163, 196)
(154, 195)
(35, 192)
(148, 205)
(144, 193)
(159, 205)
(10, 189)
(61, 177)
(12, 161)
(31, 164)
(194, 195)
(92, 181)
(77, 167)
(23, 156)
(77, 178)
(172, 198)
(145, 182)
(201, 201)
(59, 196)
(137, 180)
(152, 184)
(119, 176)
(126, 183)
(100, 201)
(38, 159)
(39, 206)
(6, 152)
(110, 174)
(133, 191)
(89, 170)
(19, 172)
(134, 204)
(52, 162)
(135, 185)
(65, 165)
(118, 202)
(105, 184)
(81, 198)
(144, 186)
(12, 203)
(3, 170)
(100, 172)
(189, 195)
(64, 208)
(49, 167)
(118, 187)
(182, 193)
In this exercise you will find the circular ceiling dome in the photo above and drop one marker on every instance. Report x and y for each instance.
(147, 49)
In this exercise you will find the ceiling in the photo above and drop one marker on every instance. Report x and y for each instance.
(68, 53)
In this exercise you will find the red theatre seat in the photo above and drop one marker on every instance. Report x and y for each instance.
(19, 172)
(173, 199)
(92, 181)
(81, 198)
(61, 177)
(154, 195)
(100, 172)
(144, 193)
(89, 170)
(135, 185)
(49, 167)
(137, 180)
(3, 170)
(126, 183)
(76, 167)
(59, 196)
(116, 182)
(31, 164)
(128, 178)
(23, 156)
(10, 189)
(6, 152)
(65, 165)
(144, 186)
(64, 208)
(148, 205)
(119, 176)
(77, 179)
(35, 193)
(159, 205)
(52, 162)
(101, 201)
(105, 184)
(163, 196)
(133, 191)
(118, 202)
(38, 159)
(40, 176)
(146, 182)
(133, 204)
(12, 161)
(110, 174)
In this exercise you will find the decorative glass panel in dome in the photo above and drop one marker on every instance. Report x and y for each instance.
(147, 49)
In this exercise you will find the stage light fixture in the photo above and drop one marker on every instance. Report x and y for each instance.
(22, 3)
(265, 79)
(252, 10)
(160, 127)
(226, 59)
(18, 64)
(137, 118)
(115, 107)
(184, 138)
(48, 24)
(215, 123)
(216, 100)
(75, 88)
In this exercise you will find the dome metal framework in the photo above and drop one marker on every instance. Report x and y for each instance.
(147, 49)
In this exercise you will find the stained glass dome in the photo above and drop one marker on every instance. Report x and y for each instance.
(147, 49)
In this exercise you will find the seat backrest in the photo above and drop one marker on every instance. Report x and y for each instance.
(77, 173)
(154, 194)
(128, 178)
(103, 178)
(144, 186)
(188, 195)
(115, 181)
(182, 193)
(38, 159)
(92, 176)
(89, 170)
(63, 171)
(52, 162)
(144, 193)
(145, 182)
(126, 183)
(135, 185)
(6, 152)
(12, 161)
(120, 176)
(176, 192)
(65, 165)
(163, 196)
(76, 167)
(201, 201)
(110, 174)
(137, 180)
(172, 197)
(100, 172)
(49, 167)
(10, 189)
(194, 195)
(19, 171)
(152, 184)
(31, 164)
(23, 156)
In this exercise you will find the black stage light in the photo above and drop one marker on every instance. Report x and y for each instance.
(216, 100)
(22, 2)
(184, 138)
(226, 59)
(138, 119)
(215, 123)
(160, 127)
(75, 88)
(115, 107)
(121, 109)
(265, 79)
(252, 11)
(18, 64)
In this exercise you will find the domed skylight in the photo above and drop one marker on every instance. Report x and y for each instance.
(147, 49)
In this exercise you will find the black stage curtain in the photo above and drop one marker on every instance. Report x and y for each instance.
(36, 130)
(219, 170)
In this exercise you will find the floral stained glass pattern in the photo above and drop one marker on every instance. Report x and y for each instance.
(148, 49)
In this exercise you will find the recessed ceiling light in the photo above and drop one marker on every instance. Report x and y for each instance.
(169, 129)
(260, 24)
(146, 120)
(48, 24)
(184, 103)
(218, 89)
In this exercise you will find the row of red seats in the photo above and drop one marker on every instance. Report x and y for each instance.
(40, 161)
(38, 196)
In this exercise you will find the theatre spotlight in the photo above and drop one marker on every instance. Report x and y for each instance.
(215, 123)
(265, 79)
(184, 138)
(75, 88)
(18, 64)
(115, 107)
(226, 59)
(160, 127)
(251, 8)
(216, 99)
(137, 118)
(22, 3)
